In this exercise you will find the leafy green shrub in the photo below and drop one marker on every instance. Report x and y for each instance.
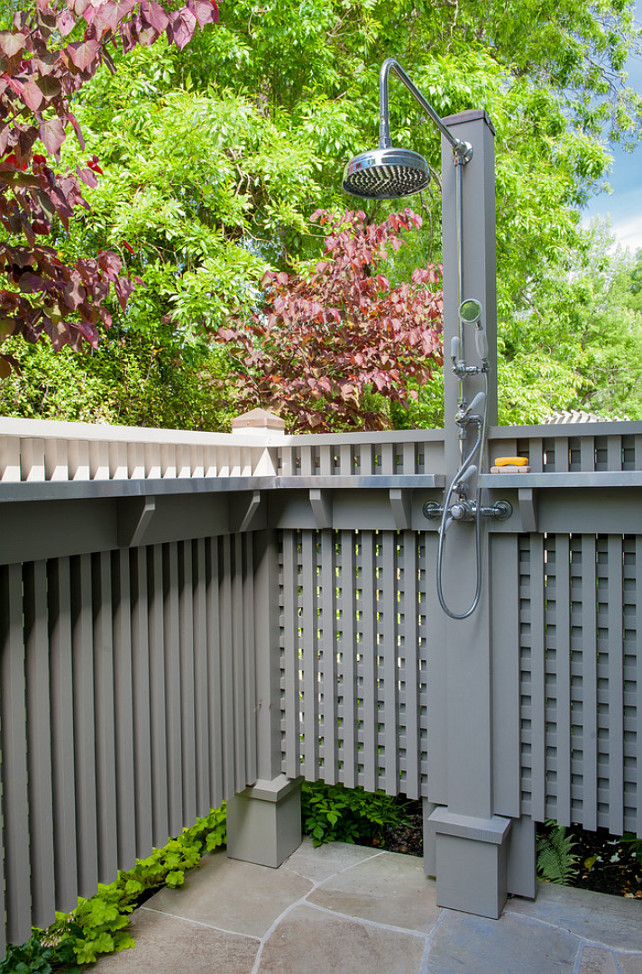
(99, 925)
(555, 861)
(636, 845)
(334, 813)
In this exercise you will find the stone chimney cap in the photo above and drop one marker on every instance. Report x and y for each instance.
(258, 419)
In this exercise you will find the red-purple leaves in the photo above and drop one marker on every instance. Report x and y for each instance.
(40, 77)
(318, 345)
(52, 134)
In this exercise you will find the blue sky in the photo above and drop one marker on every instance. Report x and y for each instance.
(624, 206)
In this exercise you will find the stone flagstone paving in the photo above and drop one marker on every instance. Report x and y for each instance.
(349, 908)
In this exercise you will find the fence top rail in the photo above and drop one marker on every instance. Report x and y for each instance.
(374, 437)
(98, 432)
(554, 430)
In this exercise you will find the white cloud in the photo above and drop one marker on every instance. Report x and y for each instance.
(628, 232)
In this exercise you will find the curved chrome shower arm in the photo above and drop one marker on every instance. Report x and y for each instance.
(463, 150)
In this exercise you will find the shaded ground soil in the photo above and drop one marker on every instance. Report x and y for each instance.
(605, 863)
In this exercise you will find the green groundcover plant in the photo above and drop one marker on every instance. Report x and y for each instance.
(100, 925)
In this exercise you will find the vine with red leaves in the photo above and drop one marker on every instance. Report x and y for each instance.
(319, 346)
(40, 73)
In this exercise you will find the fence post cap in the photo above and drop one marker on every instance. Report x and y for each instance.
(258, 419)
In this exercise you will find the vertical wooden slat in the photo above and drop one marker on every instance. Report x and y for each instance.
(157, 680)
(411, 651)
(249, 652)
(368, 651)
(124, 710)
(587, 453)
(141, 680)
(614, 453)
(536, 454)
(105, 718)
(310, 722)
(188, 702)
(15, 799)
(39, 744)
(388, 539)
(436, 716)
(238, 664)
(201, 716)
(84, 724)
(348, 730)
(561, 454)
(564, 740)
(409, 465)
(227, 666)
(538, 676)
(615, 687)
(171, 630)
(387, 459)
(62, 735)
(215, 684)
(504, 585)
(325, 461)
(329, 623)
(290, 622)
(589, 685)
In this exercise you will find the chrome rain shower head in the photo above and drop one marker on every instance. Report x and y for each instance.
(384, 174)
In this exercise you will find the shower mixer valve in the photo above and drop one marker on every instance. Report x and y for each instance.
(466, 510)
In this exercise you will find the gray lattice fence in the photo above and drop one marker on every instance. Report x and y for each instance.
(127, 707)
(354, 658)
(581, 715)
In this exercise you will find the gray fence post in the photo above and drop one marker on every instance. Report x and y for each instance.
(467, 843)
(264, 820)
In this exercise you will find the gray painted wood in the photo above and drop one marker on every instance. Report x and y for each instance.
(141, 680)
(171, 632)
(614, 744)
(589, 684)
(347, 667)
(160, 804)
(15, 805)
(187, 680)
(105, 719)
(309, 683)
(215, 680)
(65, 782)
(85, 723)
(38, 679)
(250, 703)
(238, 662)
(504, 555)
(124, 711)
(201, 712)
(368, 649)
(564, 716)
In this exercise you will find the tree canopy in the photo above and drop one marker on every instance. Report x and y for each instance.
(214, 155)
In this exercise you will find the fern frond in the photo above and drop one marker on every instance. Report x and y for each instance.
(555, 861)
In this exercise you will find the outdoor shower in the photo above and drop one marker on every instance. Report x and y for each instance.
(388, 173)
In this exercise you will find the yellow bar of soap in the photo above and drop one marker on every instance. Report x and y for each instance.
(510, 461)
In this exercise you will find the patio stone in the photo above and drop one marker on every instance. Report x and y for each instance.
(610, 920)
(326, 860)
(239, 897)
(310, 941)
(390, 889)
(596, 960)
(464, 943)
(168, 946)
